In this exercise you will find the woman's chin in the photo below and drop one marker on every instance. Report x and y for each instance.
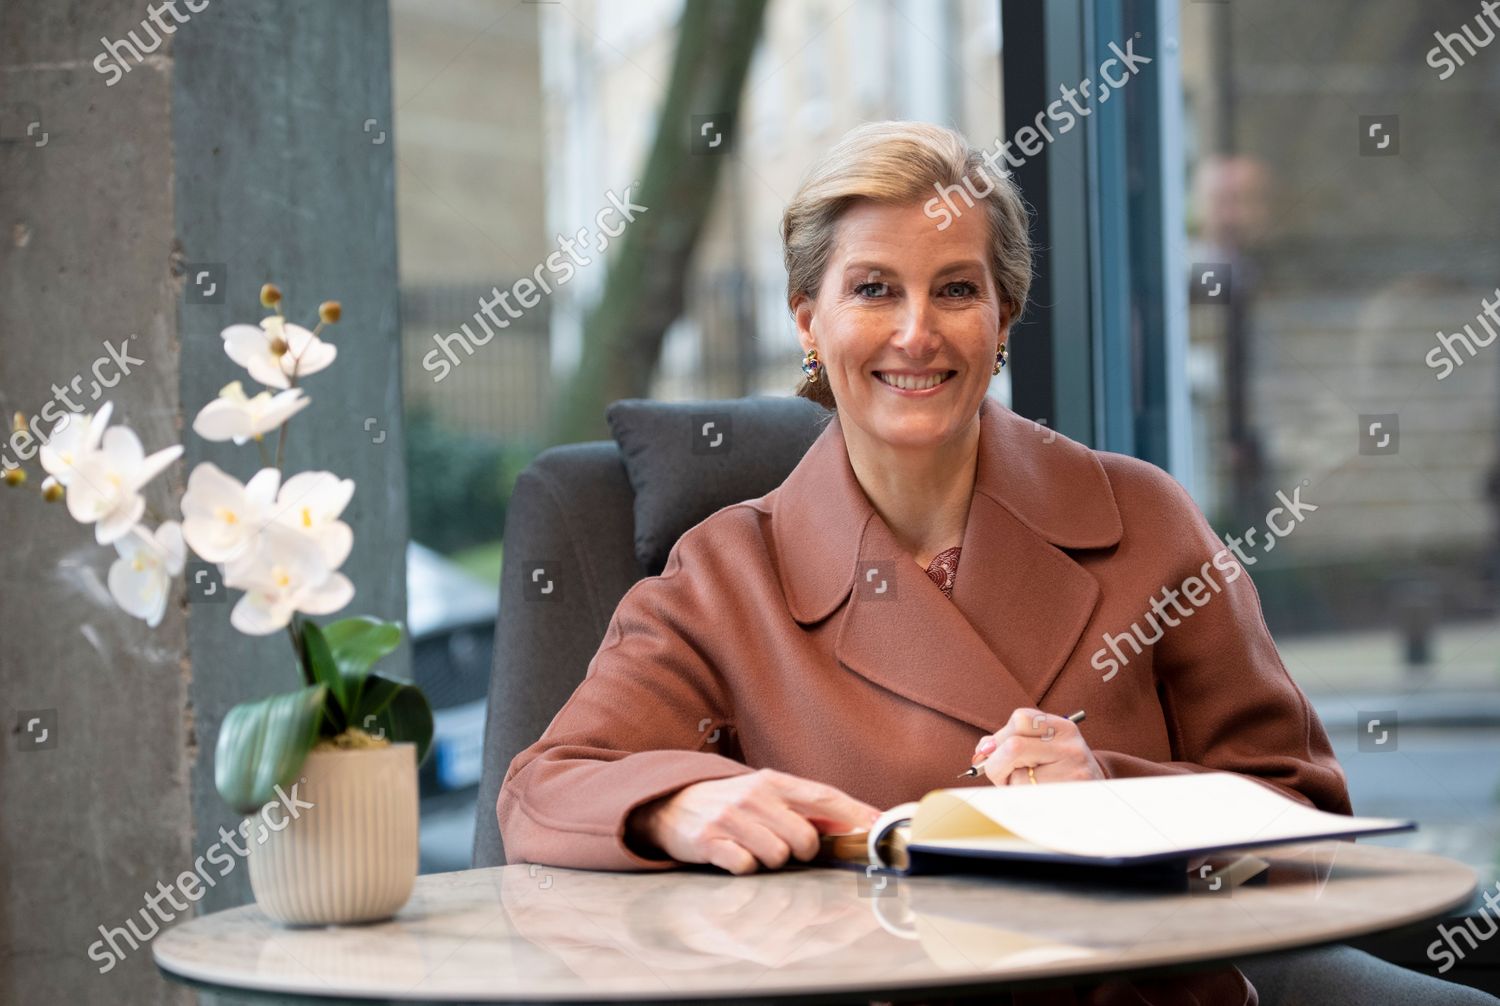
(911, 428)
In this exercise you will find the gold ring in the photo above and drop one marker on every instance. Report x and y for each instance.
(1032, 774)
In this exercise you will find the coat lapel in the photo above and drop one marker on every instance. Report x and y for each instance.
(1027, 601)
(1019, 601)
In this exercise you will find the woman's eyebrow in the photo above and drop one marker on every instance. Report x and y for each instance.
(883, 269)
(960, 266)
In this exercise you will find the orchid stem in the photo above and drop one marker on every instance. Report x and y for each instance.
(281, 437)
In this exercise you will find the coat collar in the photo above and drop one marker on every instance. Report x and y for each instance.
(1019, 602)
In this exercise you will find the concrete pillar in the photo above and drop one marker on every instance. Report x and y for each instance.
(143, 210)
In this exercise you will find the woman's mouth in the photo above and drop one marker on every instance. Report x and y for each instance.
(914, 383)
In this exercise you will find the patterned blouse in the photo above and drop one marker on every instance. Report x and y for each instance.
(943, 568)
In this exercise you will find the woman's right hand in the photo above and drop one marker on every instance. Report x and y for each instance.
(741, 823)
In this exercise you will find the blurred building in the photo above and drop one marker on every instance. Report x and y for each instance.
(1347, 262)
(820, 69)
(471, 191)
(513, 122)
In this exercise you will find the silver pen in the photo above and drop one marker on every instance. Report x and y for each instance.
(973, 770)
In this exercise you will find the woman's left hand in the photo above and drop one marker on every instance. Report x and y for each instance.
(1051, 746)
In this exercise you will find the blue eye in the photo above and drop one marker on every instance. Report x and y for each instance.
(861, 288)
(965, 288)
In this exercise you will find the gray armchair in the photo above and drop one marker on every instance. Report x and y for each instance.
(586, 521)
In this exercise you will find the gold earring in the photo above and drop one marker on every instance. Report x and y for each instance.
(811, 365)
(1001, 358)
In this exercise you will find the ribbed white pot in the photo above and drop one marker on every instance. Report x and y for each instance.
(352, 855)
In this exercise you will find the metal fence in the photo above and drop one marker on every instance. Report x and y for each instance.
(498, 390)
(735, 339)
(744, 341)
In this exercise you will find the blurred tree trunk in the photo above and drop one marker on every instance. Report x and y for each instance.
(644, 292)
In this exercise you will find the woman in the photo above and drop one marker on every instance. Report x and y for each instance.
(938, 581)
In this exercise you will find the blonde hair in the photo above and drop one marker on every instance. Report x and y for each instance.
(898, 162)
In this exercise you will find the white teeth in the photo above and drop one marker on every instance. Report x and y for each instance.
(906, 382)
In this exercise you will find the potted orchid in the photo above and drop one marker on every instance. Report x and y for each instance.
(344, 746)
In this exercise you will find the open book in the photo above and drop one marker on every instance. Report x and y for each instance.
(1098, 823)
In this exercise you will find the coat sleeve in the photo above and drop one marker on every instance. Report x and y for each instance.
(651, 716)
(1226, 696)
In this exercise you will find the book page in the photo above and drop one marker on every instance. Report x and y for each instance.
(1109, 818)
(892, 818)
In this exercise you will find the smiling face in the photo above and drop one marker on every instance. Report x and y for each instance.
(906, 322)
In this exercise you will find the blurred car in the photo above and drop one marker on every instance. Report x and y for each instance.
(451, 619)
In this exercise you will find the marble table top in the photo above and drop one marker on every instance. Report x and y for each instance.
(527, 932)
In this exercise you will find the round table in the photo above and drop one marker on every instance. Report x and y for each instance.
(538, 933)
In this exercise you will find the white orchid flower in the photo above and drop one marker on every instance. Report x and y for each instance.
(277, 351)
(234, 416)
(311, 502)
(220, 516)
(141, 578)
(286, 574)
(104, 488)
(74, 436)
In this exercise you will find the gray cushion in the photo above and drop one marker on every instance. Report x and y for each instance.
(570, 513)
(687, 459)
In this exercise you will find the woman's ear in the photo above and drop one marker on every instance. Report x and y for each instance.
(1004, 335)
(1005, 320)
(802, 313)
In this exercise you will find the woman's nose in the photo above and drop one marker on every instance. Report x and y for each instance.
(917, 335)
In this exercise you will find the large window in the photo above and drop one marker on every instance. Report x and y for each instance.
(1342, 191)
(1273, 269)
(1268, 263)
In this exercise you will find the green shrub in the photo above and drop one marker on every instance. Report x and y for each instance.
(458, 485)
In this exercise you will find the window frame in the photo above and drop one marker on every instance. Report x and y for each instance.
(1100, 354)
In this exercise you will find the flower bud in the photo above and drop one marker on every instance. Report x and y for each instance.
(18, 423)
(52, 490)
(279, 347)
(15, 476)
(270, 295)
(330, 311)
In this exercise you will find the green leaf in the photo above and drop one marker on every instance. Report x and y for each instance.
(263, 744)
(378, 693)
(358, 642)
(325, 670)
(397, 711)
(355, 645)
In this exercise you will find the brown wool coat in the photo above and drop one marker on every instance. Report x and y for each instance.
(762, 644)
